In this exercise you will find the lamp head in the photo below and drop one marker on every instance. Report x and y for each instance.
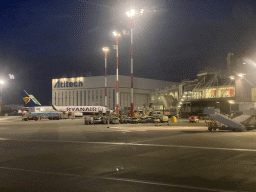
(105, 49)
(130, 13)
(116, 34)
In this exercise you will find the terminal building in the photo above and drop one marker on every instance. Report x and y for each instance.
(90, 91)
(230, 90)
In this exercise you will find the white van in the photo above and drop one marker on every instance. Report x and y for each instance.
(157, 113)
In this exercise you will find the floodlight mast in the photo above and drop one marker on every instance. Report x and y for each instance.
(106, 49)
(130, 14)
(117, 35)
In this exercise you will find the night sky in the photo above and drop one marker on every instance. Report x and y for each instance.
(173, 40)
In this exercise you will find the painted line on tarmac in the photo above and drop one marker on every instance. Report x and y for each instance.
(136, 144)
(118, 179)
(127, 130)
(162, 184)
(173, 146)
(4, 139)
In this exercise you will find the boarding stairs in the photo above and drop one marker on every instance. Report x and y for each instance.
(224, 119)
(241, 118)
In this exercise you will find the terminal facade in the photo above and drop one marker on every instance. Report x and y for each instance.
(90, 91)
(226, 90)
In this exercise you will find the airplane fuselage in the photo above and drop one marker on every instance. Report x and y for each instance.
(92, 109)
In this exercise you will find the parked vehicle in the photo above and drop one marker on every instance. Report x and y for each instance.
(129, 119)
(164, 119)
(123, 120)
(156, 120)
(105, 120)
(157, 113)
(150, 119)
(97, 120)
(193, 119)
(38, 115)
(134, 120)
(114, 120)
(143, 120)
(88, 120)
(172, 112)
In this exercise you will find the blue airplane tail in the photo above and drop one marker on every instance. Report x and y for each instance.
(29, 100)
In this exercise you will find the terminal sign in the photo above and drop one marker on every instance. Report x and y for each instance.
(68, 84)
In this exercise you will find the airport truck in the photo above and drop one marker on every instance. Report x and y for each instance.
(42, 115)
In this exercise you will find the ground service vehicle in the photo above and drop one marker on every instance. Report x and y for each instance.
(97, 120)
(156, 120)
(129, 119)
(213, 126)
(150, 119)
(114, 120)
(134, 120)
(193, 119)
(143, 120)
(172, 112)
(164, 119)
(42, 115)
(88, 120)
(123, 119)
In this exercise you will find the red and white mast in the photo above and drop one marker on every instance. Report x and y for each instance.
(117, 35)
(106, 49)
(131, 14)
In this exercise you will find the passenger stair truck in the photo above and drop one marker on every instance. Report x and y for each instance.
(223, 119)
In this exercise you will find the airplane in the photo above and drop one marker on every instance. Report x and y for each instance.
(31, 103)
(86, 110)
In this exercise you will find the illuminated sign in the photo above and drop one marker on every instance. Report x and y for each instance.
(90, 109)
(68, 84)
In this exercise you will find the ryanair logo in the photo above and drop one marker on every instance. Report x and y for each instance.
(26, 99)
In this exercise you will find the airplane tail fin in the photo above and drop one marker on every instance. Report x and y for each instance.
(29, 100)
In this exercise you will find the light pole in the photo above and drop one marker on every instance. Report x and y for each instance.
(117, 35)
(131, 14)
(106, 49)
(1, 97)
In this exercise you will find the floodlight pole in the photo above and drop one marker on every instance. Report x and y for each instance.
(117, 81)
(106, 56)
(132, 109)
(130, 14)
(117, 35)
